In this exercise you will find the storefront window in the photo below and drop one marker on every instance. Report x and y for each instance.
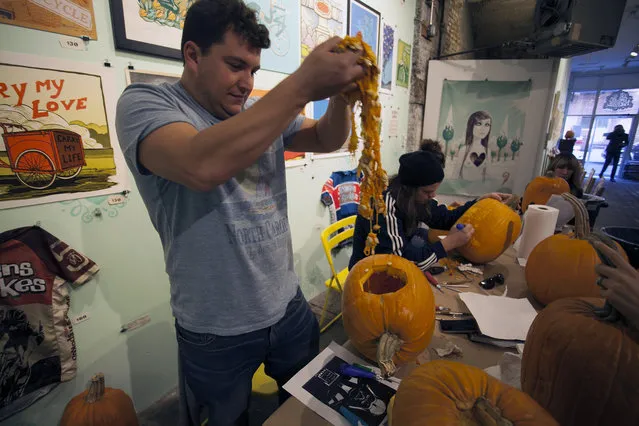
(581, 126)
(582, 103)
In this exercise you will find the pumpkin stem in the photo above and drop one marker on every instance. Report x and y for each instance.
(389, 344)
(96, 389)
(582, 224)
(489, 415)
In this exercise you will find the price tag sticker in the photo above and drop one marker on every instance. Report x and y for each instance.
(116, 199)
(72, 43)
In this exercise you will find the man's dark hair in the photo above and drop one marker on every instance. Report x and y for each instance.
(208, 20)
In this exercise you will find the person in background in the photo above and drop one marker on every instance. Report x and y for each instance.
(209, 165)
(567, 167)
(411, 209)
(566, 145)
(618, 140)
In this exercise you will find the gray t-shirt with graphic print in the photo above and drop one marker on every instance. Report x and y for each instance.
(228, 252)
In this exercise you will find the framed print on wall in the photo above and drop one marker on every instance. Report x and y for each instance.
(364, 19)
(149, 27)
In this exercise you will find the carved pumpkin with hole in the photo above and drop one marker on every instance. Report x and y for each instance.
(100, 406)
(563, 265)
(448, 393)
(583, 369)
(497, 226)
(388, 310)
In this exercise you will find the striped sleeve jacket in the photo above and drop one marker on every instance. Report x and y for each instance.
(393, 238)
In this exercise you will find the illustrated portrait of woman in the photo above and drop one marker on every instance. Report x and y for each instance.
(476, 154)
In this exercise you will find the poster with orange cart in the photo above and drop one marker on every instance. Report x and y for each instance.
(57, 137)
(70, 17)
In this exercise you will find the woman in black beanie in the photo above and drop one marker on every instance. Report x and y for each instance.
(411, 210)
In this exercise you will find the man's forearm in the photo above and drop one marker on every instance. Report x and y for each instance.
(237, 142)
(335, 125)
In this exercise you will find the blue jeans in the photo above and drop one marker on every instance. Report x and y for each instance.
(216, 371)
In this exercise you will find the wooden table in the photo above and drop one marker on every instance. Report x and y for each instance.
(294, 413)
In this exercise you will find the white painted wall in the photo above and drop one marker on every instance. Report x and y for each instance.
(132, 281)
(540, 71)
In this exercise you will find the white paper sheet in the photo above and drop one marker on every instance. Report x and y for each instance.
(295, 386)
(566, 212)
(500, 317)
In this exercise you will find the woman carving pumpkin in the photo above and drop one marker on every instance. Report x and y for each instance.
(412, 209)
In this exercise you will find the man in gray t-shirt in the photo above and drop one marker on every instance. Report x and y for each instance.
(209, 165)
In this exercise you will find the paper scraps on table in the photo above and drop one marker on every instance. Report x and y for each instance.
(500, 317)
(450, 349)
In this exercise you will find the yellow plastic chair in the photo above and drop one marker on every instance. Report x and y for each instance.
(329, 242)
(262, 383)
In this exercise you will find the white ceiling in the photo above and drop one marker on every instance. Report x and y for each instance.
(616, 56)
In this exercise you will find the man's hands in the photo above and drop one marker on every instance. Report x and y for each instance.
(325, 73)
(458, 237)
(620, 285)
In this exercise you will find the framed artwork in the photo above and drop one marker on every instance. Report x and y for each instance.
(364, 19)
(150, 27)
(319, 21)
(150, 77)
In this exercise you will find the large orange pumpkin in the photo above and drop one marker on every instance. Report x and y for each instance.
(563, 265)
(541, 188)
(497, 226)
(582, 369)
(100, 406)
(388, 310)
(448, 393)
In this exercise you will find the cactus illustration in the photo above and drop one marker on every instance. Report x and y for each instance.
(515, 145)
(452, 154)
(493, 154)
(502, 141)
(448, 133)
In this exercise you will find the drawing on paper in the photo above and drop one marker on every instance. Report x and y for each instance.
(388, 46)
(362, 401)
(281, 18)
(150, 77)
(403, 64)
(70, 17)
(321, 20)
(56, 140)
(365, 20)
(481, 124)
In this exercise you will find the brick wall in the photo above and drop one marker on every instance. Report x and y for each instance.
(456, 37)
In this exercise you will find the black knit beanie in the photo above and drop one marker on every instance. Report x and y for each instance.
(420, 168)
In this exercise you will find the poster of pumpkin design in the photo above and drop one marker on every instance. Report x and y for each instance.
(70, 17)
(480, 126)
(57, 137)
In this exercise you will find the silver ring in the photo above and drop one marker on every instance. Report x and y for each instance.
(600, 281)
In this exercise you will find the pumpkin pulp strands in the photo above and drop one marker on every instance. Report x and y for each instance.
(374, 179)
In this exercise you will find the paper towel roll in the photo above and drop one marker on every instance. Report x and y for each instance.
(539, 224)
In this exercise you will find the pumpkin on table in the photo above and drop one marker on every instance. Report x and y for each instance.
(541, 188)
(388, 310)
(448, 393)
(581, 368)
(563, 265)
(100, 406)
(497, 226)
